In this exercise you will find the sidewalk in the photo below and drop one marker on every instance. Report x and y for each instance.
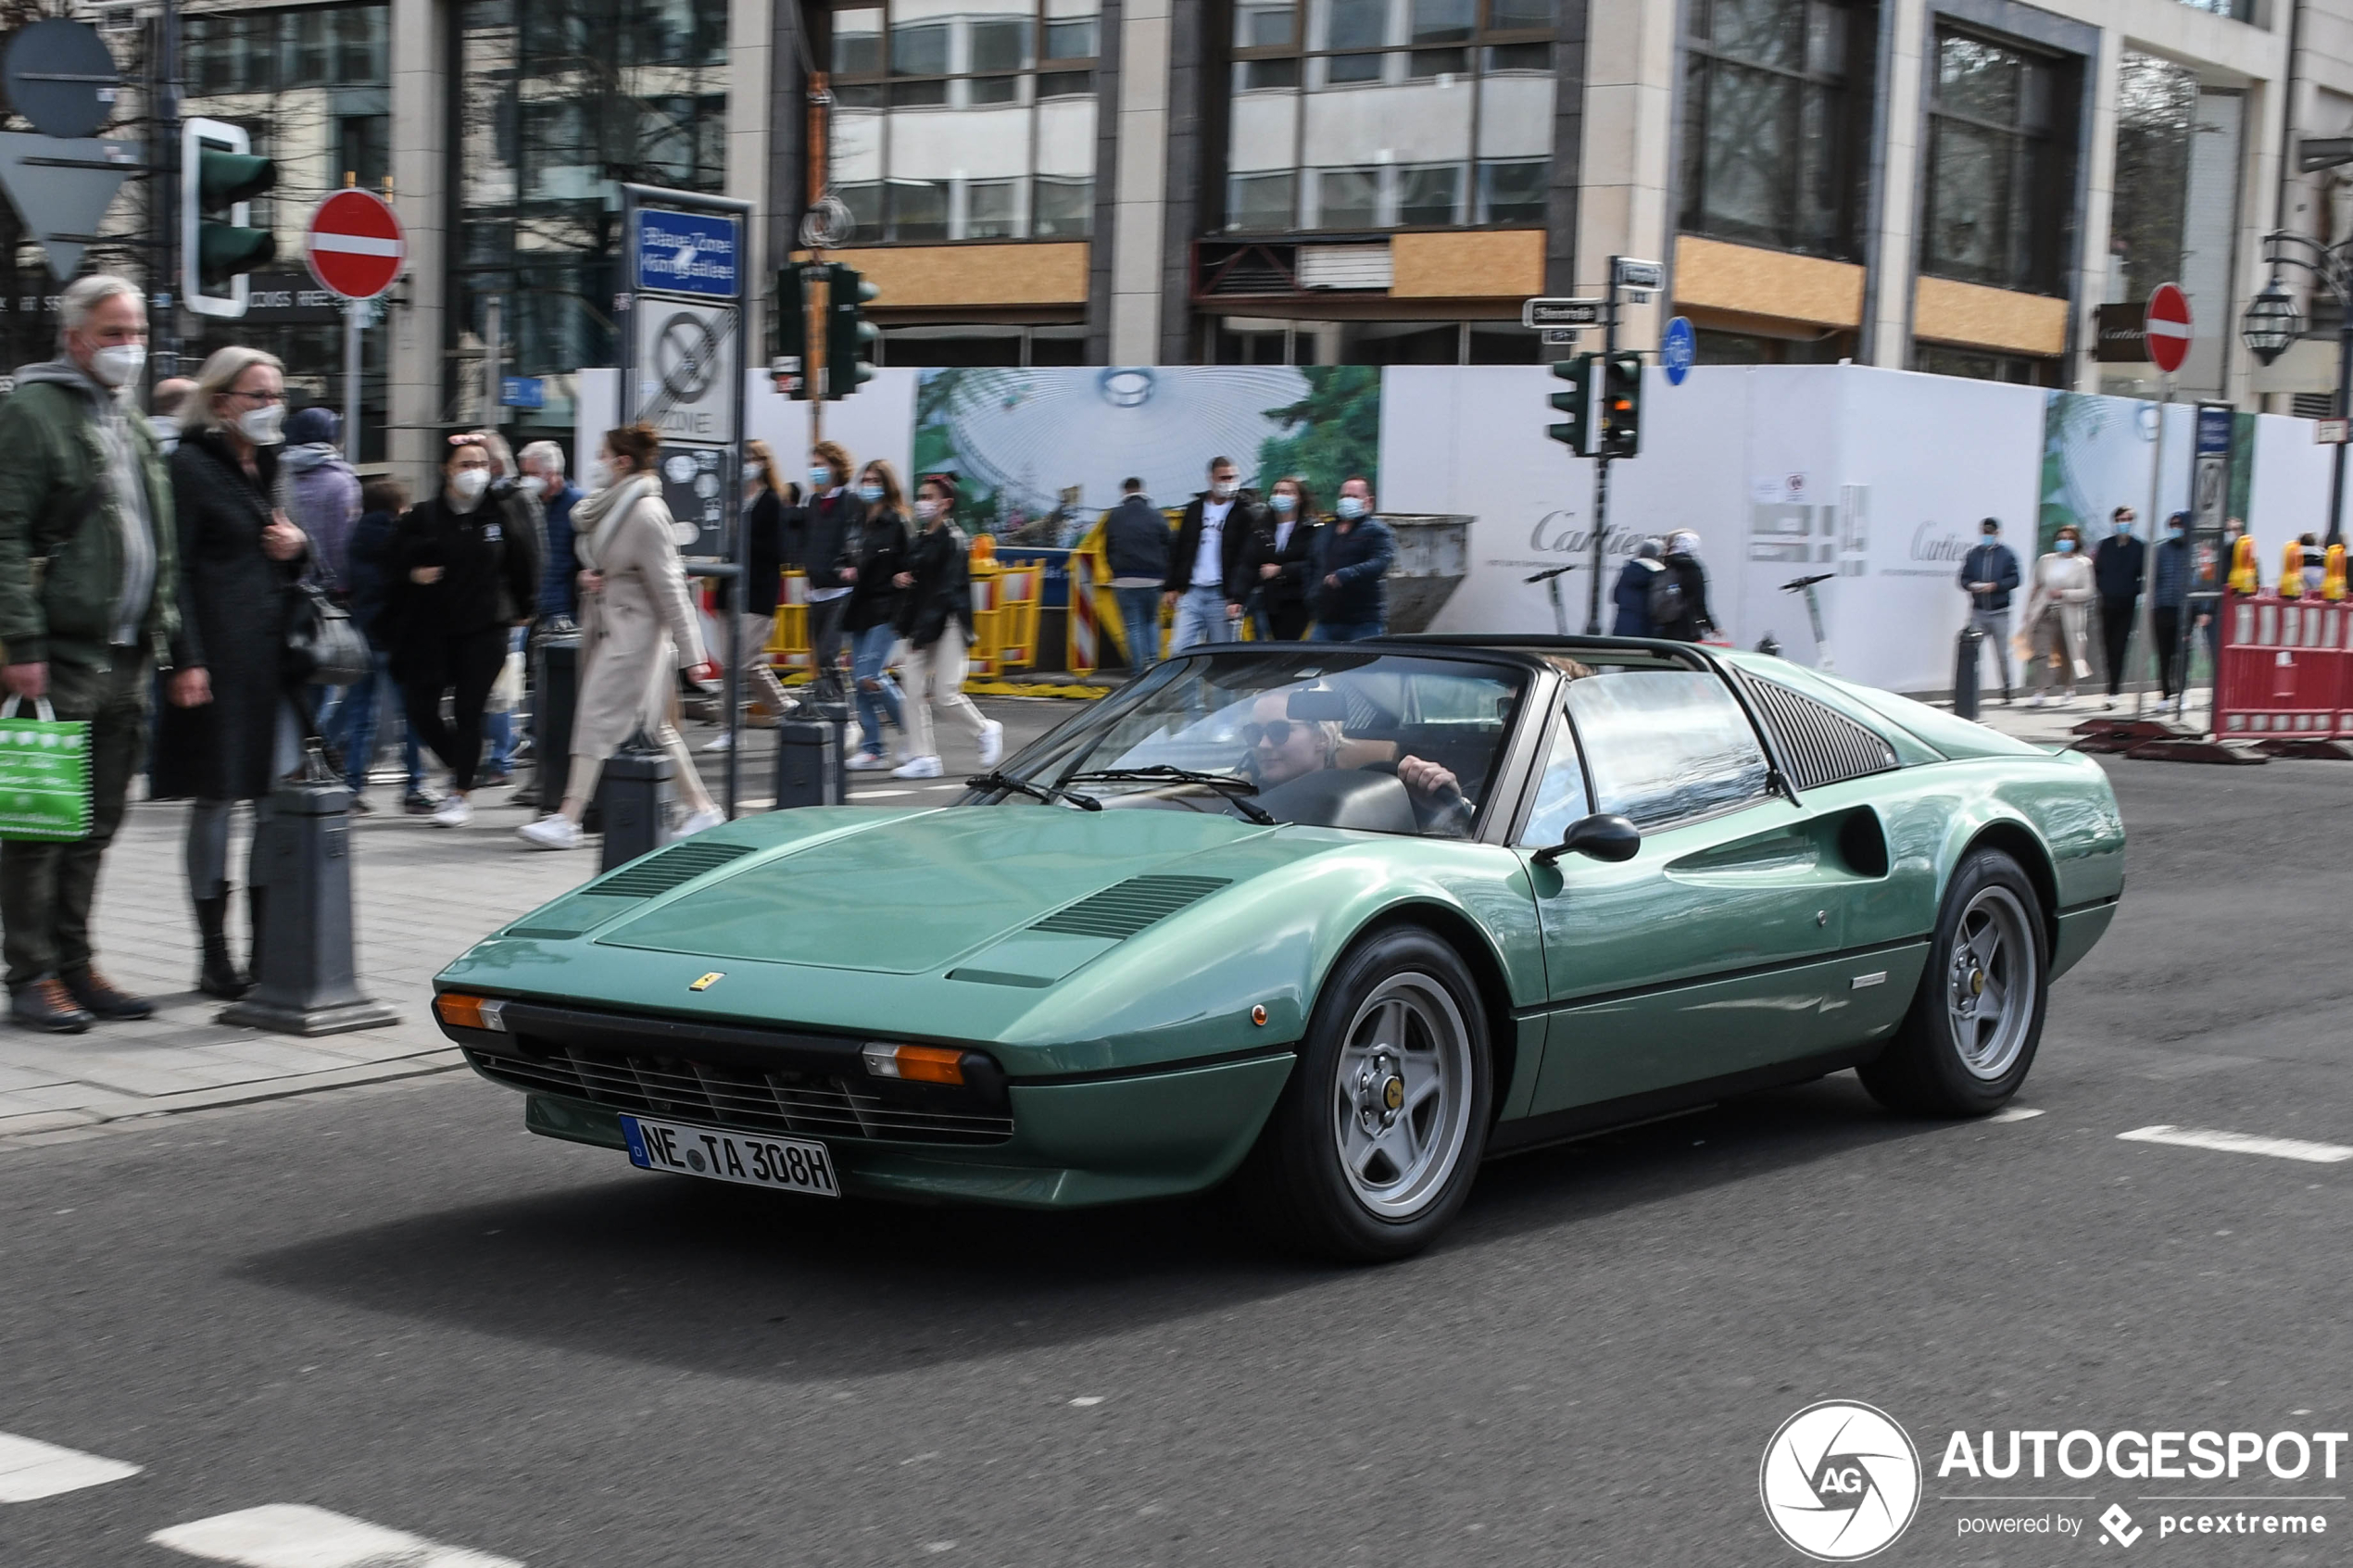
(421, 896)
(2053, 723)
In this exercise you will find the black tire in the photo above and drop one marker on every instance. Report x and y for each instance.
(1939, 1063)
(1297, 1179)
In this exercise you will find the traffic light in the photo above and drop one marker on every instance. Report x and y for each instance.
(1580, 403)
(1621, 432)
(788, 333)
(220, 175)
(849, 337)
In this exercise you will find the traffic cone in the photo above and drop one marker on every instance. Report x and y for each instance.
(2292, 572)
(2245, 579)
(2333, 574)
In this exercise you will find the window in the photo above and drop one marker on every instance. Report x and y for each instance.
(2000, 166)
(1561, 797)
(967, 122)
(1663, 746)
(1384, 114)
(1777, 109)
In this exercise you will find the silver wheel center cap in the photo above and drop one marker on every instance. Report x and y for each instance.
(1380, 1093)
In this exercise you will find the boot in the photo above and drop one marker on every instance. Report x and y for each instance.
(219, 977)
(257, 912)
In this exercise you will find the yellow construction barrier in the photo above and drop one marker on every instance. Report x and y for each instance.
(2332, 573)
(2292, 572)
(2244, 577)
(983, 660)
(1019, 587)
(789, 644)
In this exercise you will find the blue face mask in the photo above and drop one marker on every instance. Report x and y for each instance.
(1283, 502)
(821, 477)
(2066, 546)
(870, 492)
(1993, 536)
(1349, 507)
(2174, 535)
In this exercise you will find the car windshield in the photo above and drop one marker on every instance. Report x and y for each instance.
(1384, 742)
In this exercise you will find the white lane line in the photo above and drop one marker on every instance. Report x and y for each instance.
(283, 1535)
(2241, 1143)
(2015, 1113)
(29, 1470)
(877, 794)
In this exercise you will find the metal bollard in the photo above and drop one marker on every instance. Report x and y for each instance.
(635, 780)
(308, 980)
(838, 713)
(809, 764)
(556, 665)
(1967, 657)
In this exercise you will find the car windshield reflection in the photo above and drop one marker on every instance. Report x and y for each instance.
(1384, 742)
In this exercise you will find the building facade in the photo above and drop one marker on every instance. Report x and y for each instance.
(1953, 186)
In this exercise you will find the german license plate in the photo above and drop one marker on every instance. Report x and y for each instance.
(789, 1163)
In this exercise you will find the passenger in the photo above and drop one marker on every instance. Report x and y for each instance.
(1282, 748)
(879, 551)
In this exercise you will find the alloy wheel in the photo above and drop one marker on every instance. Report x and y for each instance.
(1401, 1100)
(1989, 985)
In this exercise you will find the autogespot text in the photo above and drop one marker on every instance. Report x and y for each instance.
(2135, 1456)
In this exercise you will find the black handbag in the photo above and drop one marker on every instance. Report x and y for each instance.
(323, 649)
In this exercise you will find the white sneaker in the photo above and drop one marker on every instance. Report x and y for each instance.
(863, 761)
(453, 812)
(992, 744)
(702, 820)
(2034, 701)
(720, 742)
(2108, 705)
(557, 832)
(918, 768)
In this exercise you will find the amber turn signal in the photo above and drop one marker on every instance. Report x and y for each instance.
(916, 1064)
(459, 1010)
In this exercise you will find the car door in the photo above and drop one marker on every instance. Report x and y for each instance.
(1711, 951)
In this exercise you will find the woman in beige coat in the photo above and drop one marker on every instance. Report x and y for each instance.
(2058, 623)
(637, 629)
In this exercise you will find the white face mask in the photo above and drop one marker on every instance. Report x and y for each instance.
(755, 470)
(119, 364)
(1223, 489)
(599, 475)
(260, 425)
(926, 510)
(470, 482)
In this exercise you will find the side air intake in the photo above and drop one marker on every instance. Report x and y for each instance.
(1120, 911)
(1820, 745)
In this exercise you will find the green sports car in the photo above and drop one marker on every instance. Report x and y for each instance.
(1335, 922)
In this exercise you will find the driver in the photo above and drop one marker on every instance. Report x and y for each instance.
(1283, 749)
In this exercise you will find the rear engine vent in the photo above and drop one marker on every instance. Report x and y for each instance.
(673, 867)
(1820, 745)
(1120, 911)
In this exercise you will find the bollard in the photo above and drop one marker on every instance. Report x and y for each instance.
(307, 980)
(1967, 658)
(809, 764)
(556, 656)
(630, 792)
(1770, 646)
(839, 715)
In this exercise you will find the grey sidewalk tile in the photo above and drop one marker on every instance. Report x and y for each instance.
(13, 1076)
(15, 1124)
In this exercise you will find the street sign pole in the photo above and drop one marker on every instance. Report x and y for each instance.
(1600, 470)
(2167, 329)
(351, 309)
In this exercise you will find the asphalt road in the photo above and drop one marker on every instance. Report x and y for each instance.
(394, 1305)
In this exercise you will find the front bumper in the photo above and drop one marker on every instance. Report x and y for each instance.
(1099, 1140)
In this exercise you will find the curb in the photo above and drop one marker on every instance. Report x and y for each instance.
(39, 1127)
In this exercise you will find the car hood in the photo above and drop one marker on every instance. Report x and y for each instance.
(910, 894)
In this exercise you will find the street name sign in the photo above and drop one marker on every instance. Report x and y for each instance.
(1626, 272)
(353, 244)
(2167, 325)
(1561, 312)
(2333, 431)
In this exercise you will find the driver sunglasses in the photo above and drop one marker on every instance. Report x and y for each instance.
(1274, 731)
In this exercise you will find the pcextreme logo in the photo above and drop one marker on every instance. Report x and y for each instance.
(1840, 1481)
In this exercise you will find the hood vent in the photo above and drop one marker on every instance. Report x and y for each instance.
(1120, 911)
(673, 867)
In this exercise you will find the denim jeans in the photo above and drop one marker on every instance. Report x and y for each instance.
(876, 695)
(1201, 617)
(350, 726)
(1345, 631)
(1139, 613)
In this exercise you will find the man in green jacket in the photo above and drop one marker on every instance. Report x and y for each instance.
(89, 593)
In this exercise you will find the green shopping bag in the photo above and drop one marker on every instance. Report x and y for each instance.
(44, 775)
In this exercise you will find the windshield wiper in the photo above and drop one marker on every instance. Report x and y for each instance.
(1235, 790)
(1046, 792)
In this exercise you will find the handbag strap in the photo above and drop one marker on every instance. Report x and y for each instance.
(41, 709)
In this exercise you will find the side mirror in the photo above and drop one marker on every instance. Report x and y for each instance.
(1603, 837)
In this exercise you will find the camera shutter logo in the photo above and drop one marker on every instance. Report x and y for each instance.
(1840, 1481)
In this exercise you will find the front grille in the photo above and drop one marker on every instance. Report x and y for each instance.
(1820, 745)
(1121, 910)
(807, 1104)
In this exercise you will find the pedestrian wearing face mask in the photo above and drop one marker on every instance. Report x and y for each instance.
(163, 411)
(2119, 564)
(1136, 544)
(1205, 585)
(766, 501)
(829, 524)
(518, 497)
(543, 474)
(934, 619)
(464, 577)
(1280, 562)
(1989, 575)
(89, 610)
(2169, 598)
(881, 556)
(1352, 558)
(241, 555)
(2058, 620)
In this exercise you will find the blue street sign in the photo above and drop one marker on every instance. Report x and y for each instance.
(2213, 430)
(1679, 350)
(689, 253)
(522, 391)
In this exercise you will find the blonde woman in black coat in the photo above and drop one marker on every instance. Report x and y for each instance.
(240, 557)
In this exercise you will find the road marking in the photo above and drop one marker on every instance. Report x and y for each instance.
(880, 793)
(282, 1534)
(2015, 1113)
(1085, 1399)
(2241, 1143)
(29, 1470)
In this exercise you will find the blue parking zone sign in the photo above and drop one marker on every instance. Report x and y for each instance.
(698, 253)
(1678, 350)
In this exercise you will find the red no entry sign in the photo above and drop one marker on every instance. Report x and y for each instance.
(353, 244)
(2166, 327)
